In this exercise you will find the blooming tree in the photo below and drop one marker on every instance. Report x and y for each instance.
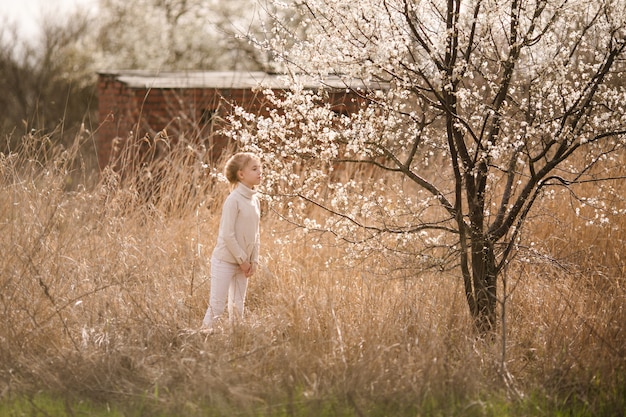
(475, 110)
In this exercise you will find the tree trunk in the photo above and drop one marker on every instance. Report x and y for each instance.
(484, 279)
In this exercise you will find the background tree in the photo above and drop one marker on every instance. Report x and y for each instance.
(47, 82)
(180, 34)
(477, 110)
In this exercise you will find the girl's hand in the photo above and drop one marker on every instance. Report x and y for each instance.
(247, 269)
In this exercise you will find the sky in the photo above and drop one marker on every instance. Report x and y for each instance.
(27, 13)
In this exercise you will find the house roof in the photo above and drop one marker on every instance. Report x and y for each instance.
(224, 79)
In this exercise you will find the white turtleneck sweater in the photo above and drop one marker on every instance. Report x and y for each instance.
(239, 238)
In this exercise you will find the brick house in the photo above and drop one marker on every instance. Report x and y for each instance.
(136, 104)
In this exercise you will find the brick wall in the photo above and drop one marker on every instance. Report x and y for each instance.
(127, 113)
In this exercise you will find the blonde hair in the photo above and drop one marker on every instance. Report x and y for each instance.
(236, 163)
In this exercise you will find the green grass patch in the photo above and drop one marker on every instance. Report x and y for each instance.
(535, 405)
(57, 406)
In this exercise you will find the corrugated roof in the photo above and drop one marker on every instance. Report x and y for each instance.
(221, 80)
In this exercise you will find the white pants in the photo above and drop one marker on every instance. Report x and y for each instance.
(228, 283)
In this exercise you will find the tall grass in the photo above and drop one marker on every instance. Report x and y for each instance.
(103, 286)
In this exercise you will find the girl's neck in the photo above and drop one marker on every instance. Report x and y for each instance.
(246, 185)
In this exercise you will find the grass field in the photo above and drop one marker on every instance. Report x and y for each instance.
(103, 287)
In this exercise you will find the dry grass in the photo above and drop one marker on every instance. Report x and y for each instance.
(102, 290)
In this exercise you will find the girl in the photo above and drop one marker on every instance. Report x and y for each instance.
(236, 255)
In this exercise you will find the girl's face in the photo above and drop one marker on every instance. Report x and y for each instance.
(250, 174)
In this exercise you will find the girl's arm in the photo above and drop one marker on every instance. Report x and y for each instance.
(227, 229)
(257, 239)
